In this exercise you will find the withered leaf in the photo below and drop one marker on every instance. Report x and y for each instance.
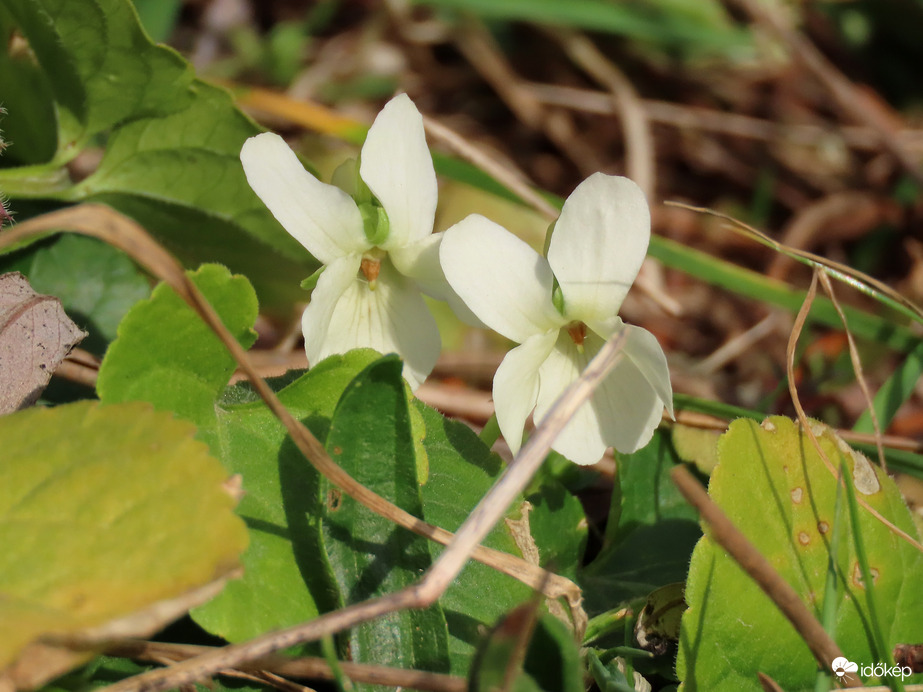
(35, 335)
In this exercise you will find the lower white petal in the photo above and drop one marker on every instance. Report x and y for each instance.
(315, 322)
(516, 386)
(582, 439)
(644, 351)
(393, 318)
(627, 406)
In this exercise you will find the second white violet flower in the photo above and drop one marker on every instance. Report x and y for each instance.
(562, 310)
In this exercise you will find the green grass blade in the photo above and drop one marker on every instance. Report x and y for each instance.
(878, 640)
(894, 392)
(751, 284)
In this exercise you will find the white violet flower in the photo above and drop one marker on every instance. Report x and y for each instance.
(562, 310)
(378, 253)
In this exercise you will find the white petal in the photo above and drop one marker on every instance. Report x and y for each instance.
(628, 406)
(501, 279)
(315, 322)
(398, 168)
(321, 217)
(647, 356)
(581, 440)
(420, 262)
(598, 245)
(516, 385)
(391, 319)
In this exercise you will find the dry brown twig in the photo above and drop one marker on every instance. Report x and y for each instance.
(108, 225)
(479, 48)
(849, 98)
(838, 270)
(704, 119)
(436, 579)
(306, 667)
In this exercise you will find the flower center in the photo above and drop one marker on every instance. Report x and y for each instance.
(577, 332)
(370, 266)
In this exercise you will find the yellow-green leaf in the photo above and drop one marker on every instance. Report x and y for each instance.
(776, 488)
(113, 520)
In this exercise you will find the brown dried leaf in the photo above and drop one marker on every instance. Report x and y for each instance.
(35, 335)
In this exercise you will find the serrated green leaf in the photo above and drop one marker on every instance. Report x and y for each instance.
(288, 575)
(101, 67)
(370, 438)
(171, 160)
(167, 356)
(116, 512)
(180, 177)
(774, 486)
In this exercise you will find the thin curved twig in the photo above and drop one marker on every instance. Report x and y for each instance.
(122, 232)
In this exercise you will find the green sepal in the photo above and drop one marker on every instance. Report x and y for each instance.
(375, 223)
(557, 297)
(346, 177)
(310, 283)
(548, 235)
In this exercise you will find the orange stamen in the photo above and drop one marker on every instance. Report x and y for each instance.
(577, 331)
(371, 268)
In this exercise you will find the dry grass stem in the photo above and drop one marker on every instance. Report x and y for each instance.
(857, 368)
(704, 119)
(639, 144)
(800, 321)
(306, 667)
(838, 270)
(514, 180)
(849, 98)
(479, 48)
(738, 345)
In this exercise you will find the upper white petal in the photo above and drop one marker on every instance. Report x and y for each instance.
(500, 278)
(516, 385)
(582, 439)
(391, 319)
(321, 217)
(598, 245)
(398, 168)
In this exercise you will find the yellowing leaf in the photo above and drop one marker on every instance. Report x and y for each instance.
(774, 485)
(113, 520)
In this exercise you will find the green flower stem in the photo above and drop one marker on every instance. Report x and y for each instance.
(491, 431)
(31, 182)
